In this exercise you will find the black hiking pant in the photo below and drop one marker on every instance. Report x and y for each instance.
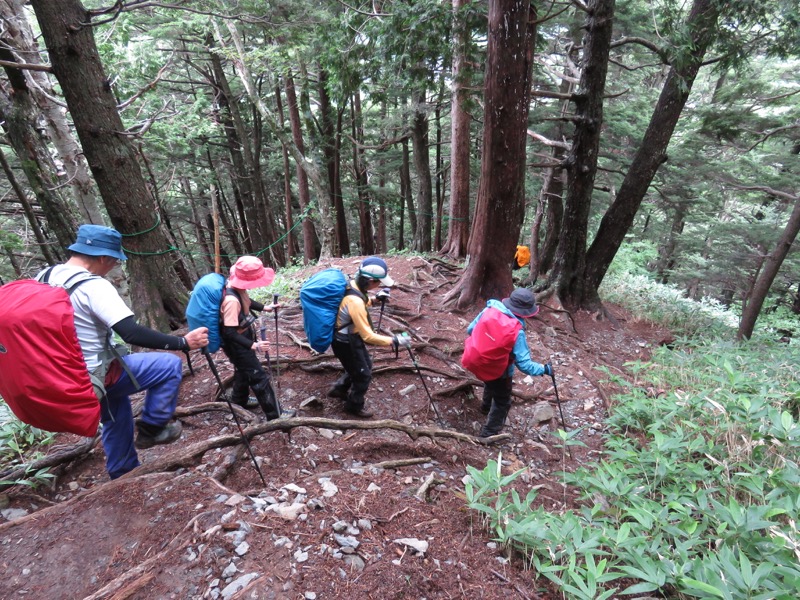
(249, 374)
(497, 402)
(357, 375)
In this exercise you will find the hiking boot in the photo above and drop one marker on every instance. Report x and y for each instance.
(168, 434)
(337, 392)
(287, 413)
(250, 404)
(362, 413)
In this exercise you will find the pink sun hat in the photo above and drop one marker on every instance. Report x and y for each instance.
(249, 272)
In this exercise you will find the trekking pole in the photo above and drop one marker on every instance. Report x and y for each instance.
(263, 331)
(558, 401)
(277, 342)
(382, 297)
(233, 412)
(425, 385)
(189, 361)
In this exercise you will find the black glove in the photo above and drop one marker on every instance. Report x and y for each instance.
(548, 370)
(383, 295)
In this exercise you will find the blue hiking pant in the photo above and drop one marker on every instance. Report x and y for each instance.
(159, 373)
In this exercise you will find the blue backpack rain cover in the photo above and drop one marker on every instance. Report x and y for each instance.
(204, 305)
(320, 297)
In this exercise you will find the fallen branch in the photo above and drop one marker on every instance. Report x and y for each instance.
(423, 489)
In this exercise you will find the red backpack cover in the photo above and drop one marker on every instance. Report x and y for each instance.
(43, 375)
(487, 351)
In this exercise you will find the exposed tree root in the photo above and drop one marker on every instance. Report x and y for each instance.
(189, 455)
(137, 577)
(58, 456)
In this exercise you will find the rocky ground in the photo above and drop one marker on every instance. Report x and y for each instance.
(349, 508)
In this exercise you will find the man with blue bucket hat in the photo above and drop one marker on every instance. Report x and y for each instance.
(99, 313)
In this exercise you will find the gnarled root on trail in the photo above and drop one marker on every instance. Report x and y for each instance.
(188, 456)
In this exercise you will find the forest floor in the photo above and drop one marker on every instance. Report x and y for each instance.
(351, 508)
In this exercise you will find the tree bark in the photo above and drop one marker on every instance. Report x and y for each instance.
(501, 198)
(701, 23)
(567, 276)
(156, 294)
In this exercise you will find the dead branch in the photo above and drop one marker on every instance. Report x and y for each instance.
(404, 462)
(423, 489)
(218, 406)
(464, 386)
(593, 380)
(230, 459)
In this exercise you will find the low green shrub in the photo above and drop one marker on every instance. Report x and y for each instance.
(697, 493)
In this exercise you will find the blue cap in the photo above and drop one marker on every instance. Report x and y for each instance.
(375, 267)
(99, 240)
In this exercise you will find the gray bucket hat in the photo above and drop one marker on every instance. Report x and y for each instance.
(522, 303)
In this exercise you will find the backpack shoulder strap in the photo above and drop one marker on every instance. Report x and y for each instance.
(70, 285)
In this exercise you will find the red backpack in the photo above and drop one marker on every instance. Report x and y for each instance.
(43, 375)
(487, 352)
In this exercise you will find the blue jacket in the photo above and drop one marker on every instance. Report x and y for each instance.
(520, 352)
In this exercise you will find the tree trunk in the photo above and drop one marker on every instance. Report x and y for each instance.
(366, 238)
(75, 175)
(156, 294)
(666, 250)
(500, 205)
(567, 275)
(45, 247)
(292, 248)
(330, 149)
(231, 120)
(701, 23)
(772, 265)
(405, 197)
(458, 223)
(19, 117)
(311, 244)
(422, 165)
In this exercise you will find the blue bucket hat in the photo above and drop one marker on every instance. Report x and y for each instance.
(98, 240)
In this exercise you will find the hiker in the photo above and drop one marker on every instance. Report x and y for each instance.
(99, 313)
(354, 330)
(520, 305)
(239, 342)
(522, 258)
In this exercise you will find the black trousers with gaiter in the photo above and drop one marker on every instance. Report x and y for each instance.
(249, 374)
(357, 375)
(497, 402)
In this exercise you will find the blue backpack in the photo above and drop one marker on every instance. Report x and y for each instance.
(320, 297)
(204, 305)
